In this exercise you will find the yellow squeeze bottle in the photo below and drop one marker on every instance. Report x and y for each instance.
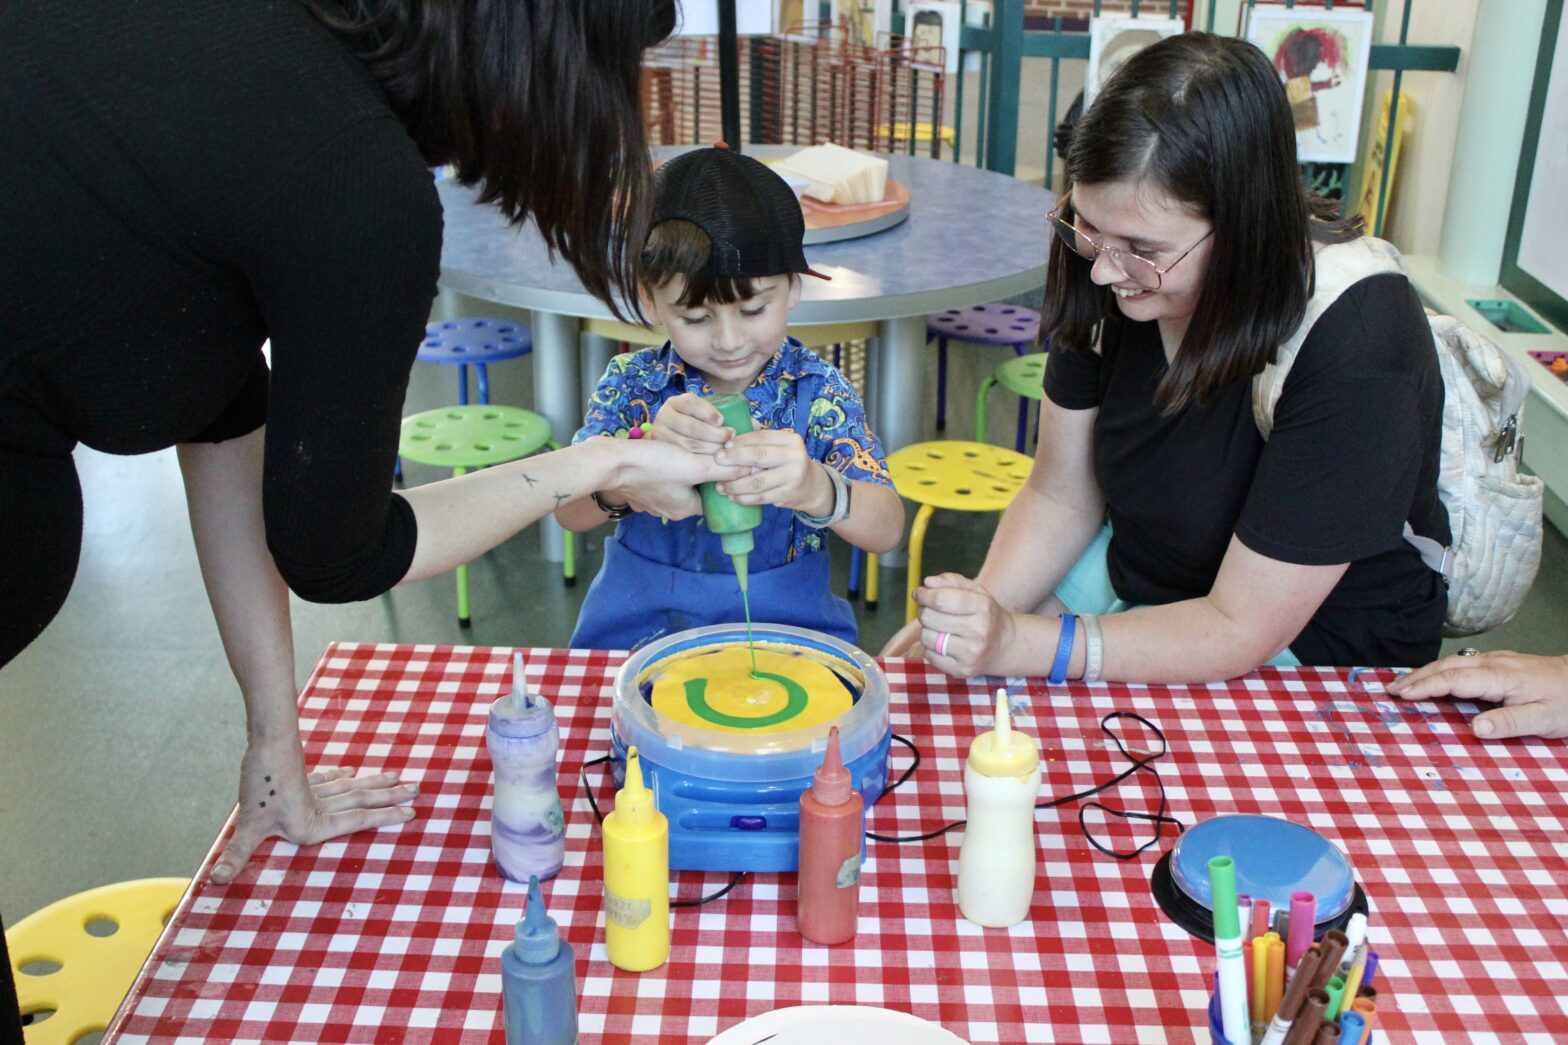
(636, 876)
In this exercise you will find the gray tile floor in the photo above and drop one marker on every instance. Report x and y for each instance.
(123, 728)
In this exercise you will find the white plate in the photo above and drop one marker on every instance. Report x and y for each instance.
(837, 1025)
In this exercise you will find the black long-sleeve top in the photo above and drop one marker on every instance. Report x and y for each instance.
(181, 180)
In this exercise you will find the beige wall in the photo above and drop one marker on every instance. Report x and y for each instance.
(1420, 194)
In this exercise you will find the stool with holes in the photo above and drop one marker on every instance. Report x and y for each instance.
(466, 437)
(474, 342)
(1013, 326)
(964, 477)
(1025, 377)
(75, 960)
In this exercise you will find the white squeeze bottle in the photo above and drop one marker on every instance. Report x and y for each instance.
(996, 863)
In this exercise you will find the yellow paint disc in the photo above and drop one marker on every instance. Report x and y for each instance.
(714, 689)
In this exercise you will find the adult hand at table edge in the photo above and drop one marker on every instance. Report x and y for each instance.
(279, 800)
(905, 643)
(1532, 690)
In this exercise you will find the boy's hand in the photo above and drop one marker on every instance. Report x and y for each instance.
(783, 474)
(691, 423)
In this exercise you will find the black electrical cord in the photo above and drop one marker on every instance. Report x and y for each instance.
(1158, 817)
(582, 775)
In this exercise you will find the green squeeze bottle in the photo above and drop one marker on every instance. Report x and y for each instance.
(734, 522)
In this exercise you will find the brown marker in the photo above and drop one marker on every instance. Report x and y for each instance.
(1310, 1020)
(1328, 1035)
(1295, 992)
(1367, 992)
(1334, 943)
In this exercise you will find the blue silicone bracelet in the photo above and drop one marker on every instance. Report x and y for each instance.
(1064, 650)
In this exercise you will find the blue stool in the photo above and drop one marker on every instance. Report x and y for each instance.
(477, 342)
(993, 324)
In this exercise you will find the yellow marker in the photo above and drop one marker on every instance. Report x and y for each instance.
(1358, 968)
(1260, 981)
(636, 877)
(1276, 983)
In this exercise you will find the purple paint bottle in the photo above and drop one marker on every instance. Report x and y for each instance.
(527, 830)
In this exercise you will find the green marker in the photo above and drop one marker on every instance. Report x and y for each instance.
(734, 522)
(1236, 1021)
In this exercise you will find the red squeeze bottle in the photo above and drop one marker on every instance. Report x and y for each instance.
(832, 821)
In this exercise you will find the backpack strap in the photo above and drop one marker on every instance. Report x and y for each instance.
(1337, 267)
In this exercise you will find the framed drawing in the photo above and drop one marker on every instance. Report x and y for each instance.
(932, 27)
(1321, 57)
(1535, 267)
(1114, 40)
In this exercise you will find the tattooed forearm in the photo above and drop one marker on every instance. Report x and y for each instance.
(561, 498)
(530, 480)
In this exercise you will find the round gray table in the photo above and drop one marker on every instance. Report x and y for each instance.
(971, 237)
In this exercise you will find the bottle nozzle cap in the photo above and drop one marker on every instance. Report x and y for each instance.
(634, 803)
(1003, 751)
(538, 937)
(520, 695)
(831, 783)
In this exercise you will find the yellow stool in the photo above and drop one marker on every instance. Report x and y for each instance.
(964, 477)
(93, 972)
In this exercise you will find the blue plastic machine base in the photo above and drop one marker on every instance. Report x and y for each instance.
(742, 825)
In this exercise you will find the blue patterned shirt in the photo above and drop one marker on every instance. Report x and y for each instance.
(835, 431)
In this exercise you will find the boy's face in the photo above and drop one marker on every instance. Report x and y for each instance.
(728, 344)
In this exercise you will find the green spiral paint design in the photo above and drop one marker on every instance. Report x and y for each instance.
(795, 702)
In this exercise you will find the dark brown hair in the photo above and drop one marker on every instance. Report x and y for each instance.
(535, 101)
(1204, 120)
(681, 248)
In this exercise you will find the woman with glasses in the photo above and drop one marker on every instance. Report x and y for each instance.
(1160, 537)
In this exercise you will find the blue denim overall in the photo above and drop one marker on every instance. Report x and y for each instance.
(637, 597)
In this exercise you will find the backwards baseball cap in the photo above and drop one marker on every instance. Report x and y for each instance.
(749, 213)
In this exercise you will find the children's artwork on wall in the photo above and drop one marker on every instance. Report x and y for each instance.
(865, 20)
(1321, 57)
(933, 27)
(1114, 40)
(1382, 151)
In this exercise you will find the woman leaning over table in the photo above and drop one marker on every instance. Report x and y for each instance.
(1184, 255)
(186, 179)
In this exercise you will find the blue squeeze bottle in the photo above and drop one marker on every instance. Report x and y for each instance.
(539, 980)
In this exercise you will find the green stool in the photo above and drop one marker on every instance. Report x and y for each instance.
(477, 436)
(1024, 376)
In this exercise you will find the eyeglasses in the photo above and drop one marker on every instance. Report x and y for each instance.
(1135, 267)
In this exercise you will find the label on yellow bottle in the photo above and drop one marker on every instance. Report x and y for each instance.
(624, 912)
(849, 872)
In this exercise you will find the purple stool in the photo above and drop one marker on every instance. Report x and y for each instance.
(990, 324)
(476, 342)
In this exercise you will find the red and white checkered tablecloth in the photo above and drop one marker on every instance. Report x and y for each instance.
(396, 935)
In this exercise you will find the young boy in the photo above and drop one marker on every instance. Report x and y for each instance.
(720, 271)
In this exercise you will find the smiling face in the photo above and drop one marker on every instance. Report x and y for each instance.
(728, 344)
(1135, 215)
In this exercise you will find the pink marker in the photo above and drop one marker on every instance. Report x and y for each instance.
(1303, 919)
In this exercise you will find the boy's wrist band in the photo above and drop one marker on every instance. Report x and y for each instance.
(840, 509)
(1064, 650)
(1093, 647)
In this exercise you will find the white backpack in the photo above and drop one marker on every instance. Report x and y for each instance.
(1494, 513)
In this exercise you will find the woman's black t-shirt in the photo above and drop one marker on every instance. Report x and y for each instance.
(1353, 455)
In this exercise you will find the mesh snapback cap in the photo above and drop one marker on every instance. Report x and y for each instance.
(748, 211)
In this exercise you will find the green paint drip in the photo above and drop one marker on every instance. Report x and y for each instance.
(745, 602)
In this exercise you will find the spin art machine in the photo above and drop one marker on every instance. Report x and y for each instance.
(728, 755)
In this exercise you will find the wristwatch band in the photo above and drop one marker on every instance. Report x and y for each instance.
(840, 510)
(614, 511)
